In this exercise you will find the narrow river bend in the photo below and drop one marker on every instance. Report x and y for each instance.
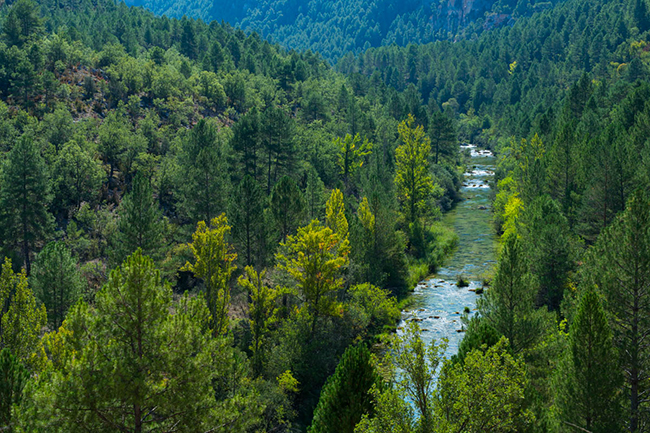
(439, 302)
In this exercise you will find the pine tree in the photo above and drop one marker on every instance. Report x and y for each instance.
(620, 264)
(443, 136)
(314, 195)
(246, 140)
(203, 181)
(13, 377)
(589, 382)
(346, 397)
(140, 222)
(287, 206)
(509, 305)
(57, 281)
(247, 219)
(24, 198)
(132, 362)
(21, 318)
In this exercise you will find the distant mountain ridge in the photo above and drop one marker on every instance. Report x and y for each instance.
(336, 27)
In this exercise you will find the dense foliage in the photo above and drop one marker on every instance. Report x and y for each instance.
(335, 28)
(199, 226)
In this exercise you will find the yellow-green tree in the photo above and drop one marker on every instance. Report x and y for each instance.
(352, 150)
(21, 319)
(413, 179)
(262, 313)
(335, 214)
(315, 257)
(213, 263)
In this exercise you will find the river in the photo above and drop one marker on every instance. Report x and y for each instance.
(438, 303)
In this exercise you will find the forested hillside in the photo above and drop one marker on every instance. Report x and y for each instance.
(196, 223)
(204, 231)
(335, 28)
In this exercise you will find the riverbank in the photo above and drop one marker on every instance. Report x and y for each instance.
(437, 302)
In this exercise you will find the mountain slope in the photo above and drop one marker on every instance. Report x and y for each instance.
(336, 27)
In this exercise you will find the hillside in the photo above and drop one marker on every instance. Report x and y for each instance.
(206, 231)
(334, 28)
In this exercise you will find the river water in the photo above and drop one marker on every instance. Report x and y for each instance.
(439, 302)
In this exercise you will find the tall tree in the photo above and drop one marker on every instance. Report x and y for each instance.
(352, 151)
(346, 397)
(287, 206)
(13, 376)
(278, 143)
(314, 195)
(412, 176)
(335, 214)
(509, 304)
(485, 393)
(203, 179)
(247, 141)
(213, 258)
(443, 136)
(315, 258)
(620, 267)
(247, 212)
(589, 380)
(57, 281)
(419, 364)
(21, 318)
(262, 314)
(25, 197)
(139, 365)
(140, 222)
(22, 23)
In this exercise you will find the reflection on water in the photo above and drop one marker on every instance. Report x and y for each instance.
(439, 303)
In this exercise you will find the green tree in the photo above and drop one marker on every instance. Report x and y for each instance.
(114, 138)
(77, 176)
(21, 318)
(278, 143)
(57, 281)
(346, 397)
(418, 364)
(247, 141)
(25, 197)
(588, 390)
(287, 206)
(262, 312)
(335, 214)
(13, 377)
(202, 181)
(620, 267)
(22, 23)
(247, 219)
(412, 176)
(314, 195)
(509, 305)
(140, 222)
(132, 363)
(315, 258)
(213, 264)
(443, 137)
(551, 249)
(351, 154)
(486, 393)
